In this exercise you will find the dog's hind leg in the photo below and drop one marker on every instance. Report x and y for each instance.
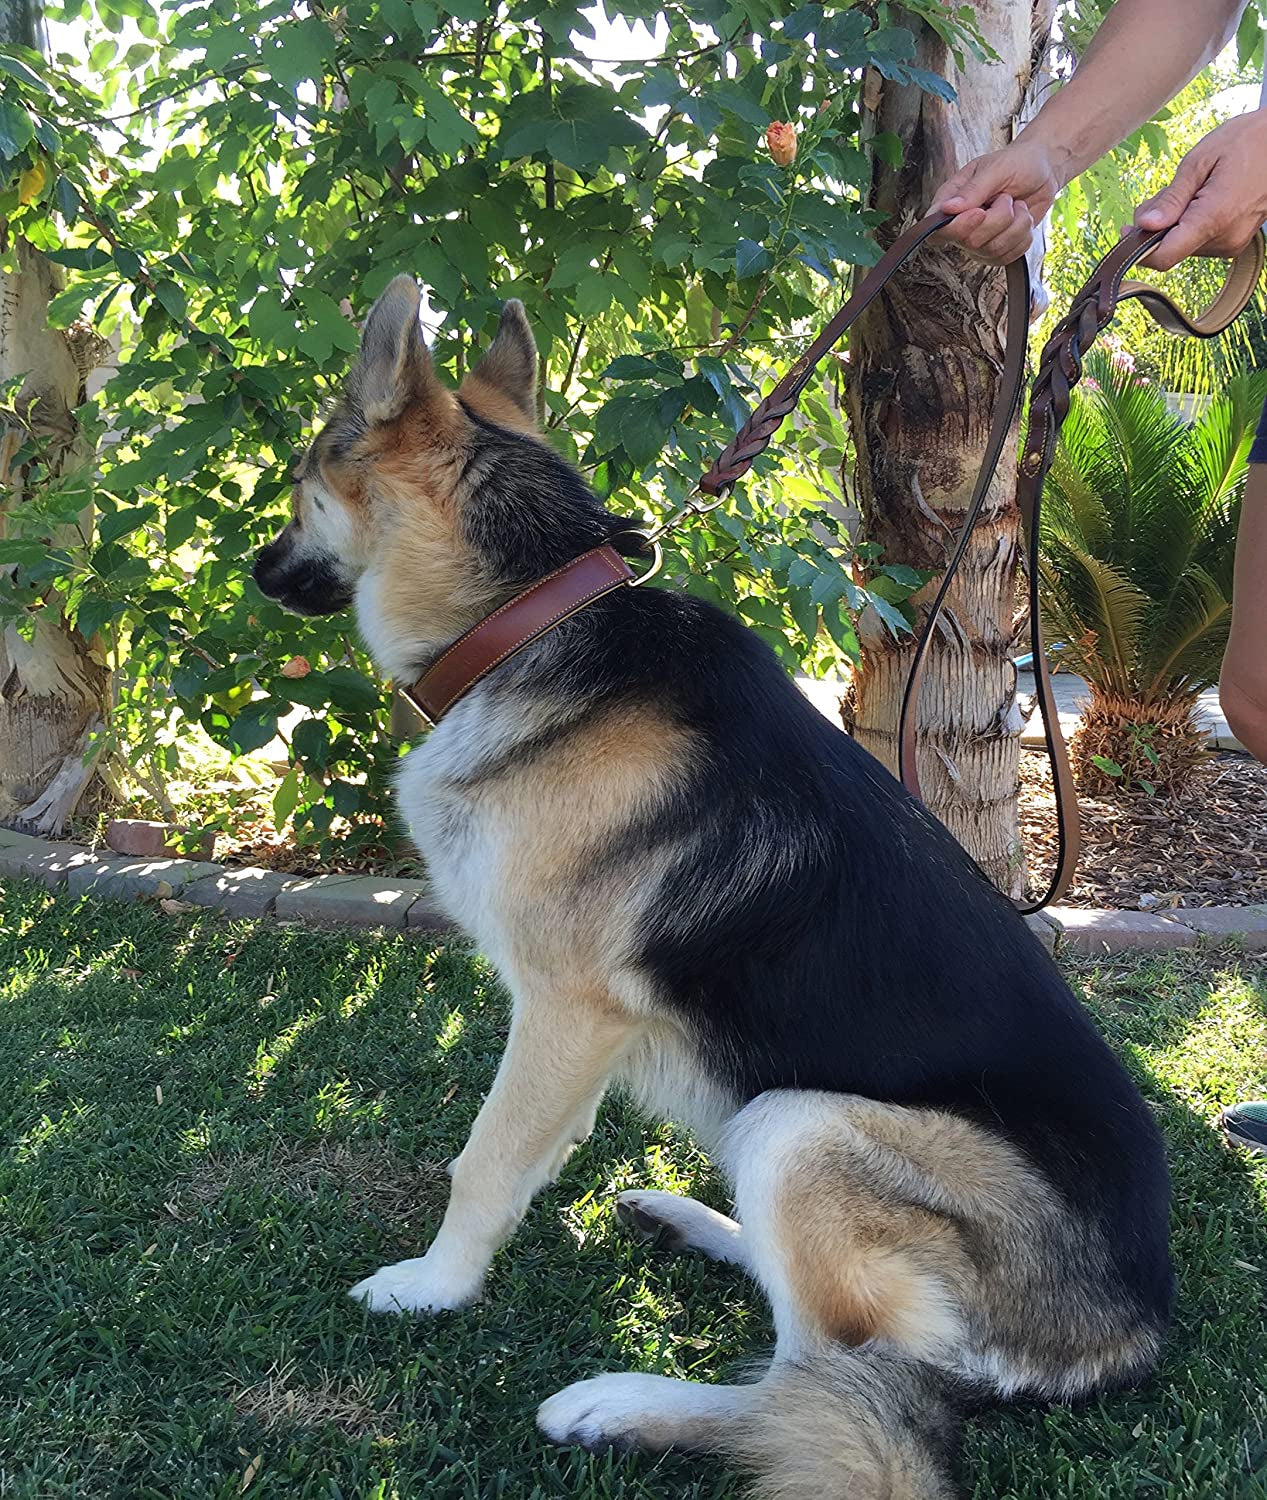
(557, 1058)
(862, 1423)
(865, 1291)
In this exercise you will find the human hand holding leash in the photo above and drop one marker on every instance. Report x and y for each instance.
(1215, 203)
(997, 199)
(1142, 55)
(1217, 200)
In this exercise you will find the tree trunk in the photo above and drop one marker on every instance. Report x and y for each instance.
(925, 364)
(51, 690)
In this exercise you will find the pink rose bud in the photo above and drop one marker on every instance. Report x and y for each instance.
(297, 666)
(781, 139)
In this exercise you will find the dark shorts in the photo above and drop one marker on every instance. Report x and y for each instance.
(1258, 453)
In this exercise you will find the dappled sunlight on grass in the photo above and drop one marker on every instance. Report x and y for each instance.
(272, 1052)
(48, 1134)
(214, 1148)
(451, 1031)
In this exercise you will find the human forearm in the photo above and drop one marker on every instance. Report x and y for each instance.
(1144, 52)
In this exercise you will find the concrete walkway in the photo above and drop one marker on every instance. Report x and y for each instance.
(824, 693)
(1071, 691)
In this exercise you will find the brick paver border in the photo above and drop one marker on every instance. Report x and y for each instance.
(346, 900)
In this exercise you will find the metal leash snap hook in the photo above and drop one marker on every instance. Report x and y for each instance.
(652, 539)
(700, 503)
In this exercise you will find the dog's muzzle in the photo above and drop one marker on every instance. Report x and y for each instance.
(304, 585)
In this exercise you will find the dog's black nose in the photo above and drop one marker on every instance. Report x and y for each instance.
(268, 567)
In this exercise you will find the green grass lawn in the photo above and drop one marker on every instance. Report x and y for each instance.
(211, 1129)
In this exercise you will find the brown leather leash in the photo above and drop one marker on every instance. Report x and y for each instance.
(1059, 370)
(561, 594)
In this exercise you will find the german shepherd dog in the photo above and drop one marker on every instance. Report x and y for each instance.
(944, 1182)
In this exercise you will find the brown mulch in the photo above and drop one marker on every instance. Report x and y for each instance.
(1206, 848)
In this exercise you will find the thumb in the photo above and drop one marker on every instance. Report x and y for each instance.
(970, 187)
(1164, 210)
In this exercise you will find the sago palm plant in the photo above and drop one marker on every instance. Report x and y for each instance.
(1139, 534)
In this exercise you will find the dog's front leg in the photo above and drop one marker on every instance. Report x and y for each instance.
(557, 1059)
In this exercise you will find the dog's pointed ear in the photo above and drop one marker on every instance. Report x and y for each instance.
(394, 368)
(509, 364)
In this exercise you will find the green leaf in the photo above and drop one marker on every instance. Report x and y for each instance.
(254, 727)
(1109, 767)
(172, 298)
(589, 123)
(47, 136)
(889, 613)
(270, 322)
(92, 614)
(189, 678)
(21, 553)
(594, 294)
(642, 432)
(121, 523)
(68, 199)
(17, 130)
(805, 613)
(16, 68)
(751, 259)
(286, 797)
(303, 49)
(311, 742)
(348, 799)
(447, 128)
(351, 690)
(182, 524)
(910, 578)
(631, 367)
(325, 328)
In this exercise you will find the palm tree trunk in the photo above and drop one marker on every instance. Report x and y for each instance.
(925, 367)
(51, 690)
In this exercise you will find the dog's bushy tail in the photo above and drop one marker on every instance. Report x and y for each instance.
(855, 1424)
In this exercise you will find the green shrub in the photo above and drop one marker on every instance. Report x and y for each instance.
(1139, 536)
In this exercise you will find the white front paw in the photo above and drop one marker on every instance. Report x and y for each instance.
(418, 1285)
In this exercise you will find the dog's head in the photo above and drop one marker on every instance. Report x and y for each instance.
(424, 506)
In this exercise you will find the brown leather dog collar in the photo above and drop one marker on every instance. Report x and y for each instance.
(519, 622)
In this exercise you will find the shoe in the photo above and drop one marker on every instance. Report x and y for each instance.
(1246, 1124)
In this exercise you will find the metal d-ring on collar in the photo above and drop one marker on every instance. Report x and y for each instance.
(652, 536)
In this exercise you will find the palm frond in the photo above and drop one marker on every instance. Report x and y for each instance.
(1097, 611)
(1220, 437)
(1140, 540)
(1188, 636)
(1072, 507)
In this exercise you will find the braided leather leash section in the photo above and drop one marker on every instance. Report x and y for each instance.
(755, 435)
(1059, 370)
(734, 461)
